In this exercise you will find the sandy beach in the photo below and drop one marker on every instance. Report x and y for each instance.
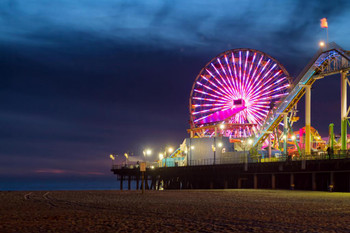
(174, 211)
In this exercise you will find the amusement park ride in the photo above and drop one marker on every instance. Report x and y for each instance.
(246, 94)
(242, 108)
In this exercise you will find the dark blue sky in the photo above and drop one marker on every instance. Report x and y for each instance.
(80, 80)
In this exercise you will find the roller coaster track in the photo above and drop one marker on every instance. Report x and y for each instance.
(328, 61)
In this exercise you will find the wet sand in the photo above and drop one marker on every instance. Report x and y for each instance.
(174, 211)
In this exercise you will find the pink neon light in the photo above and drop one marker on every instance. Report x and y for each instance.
(238, 75)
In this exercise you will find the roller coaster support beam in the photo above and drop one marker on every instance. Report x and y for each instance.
(285, 133)
(331, 136)
(307, 119)
(344, 112)
(269, 146)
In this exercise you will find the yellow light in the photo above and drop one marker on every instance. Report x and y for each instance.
(222, 126)
(293, 137)
(148, 152)
(152, 167)
(220, 144)
(170, 150)
(284, 136)
(250, 141)
(322, 44)
(161, 156)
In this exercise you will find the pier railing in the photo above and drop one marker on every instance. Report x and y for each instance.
(240, 159)
(256, 159)
(149, 165)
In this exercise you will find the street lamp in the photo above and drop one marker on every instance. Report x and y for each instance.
(321, 44)
(148, 152)
(111, 156)
(160, 156)
(126, 158)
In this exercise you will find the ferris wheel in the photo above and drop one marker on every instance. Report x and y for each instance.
(238, 88)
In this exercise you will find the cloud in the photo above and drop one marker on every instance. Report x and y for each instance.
(66, 172)
(167, 24)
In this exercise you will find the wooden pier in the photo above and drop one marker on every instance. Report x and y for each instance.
(321, 175)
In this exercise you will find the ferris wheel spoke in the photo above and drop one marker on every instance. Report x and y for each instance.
(206, 105)
(224, 91)
(211, 89)
(245, 69)
(222, 79)
(258, 77)
(252, 84)
(271, 81)
(230, 87)
(234, 87)
(250, 69)
(207, 99)
(206, 93)
(237, 78)
(265, 81)
(260, 93)
(208, 110)
(214, 85)
(271, 86)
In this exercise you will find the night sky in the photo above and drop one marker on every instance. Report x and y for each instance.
(81, 80)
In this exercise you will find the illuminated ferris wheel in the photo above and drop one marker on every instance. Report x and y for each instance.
(237, 88)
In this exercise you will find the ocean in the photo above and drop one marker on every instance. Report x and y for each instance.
(61, 183)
